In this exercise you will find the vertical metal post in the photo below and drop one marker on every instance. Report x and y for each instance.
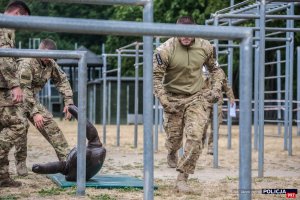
(230, 69)
(215, 136)
(291, 58)
(215, 107)
(148, 107)
(298, 91)
(118, 97)
(245, 119)
(261, 88)
(136, 94)
(156, 111)
(278, 55)
(127, 99)
(287, 78)
(256, 85)
(81, 134)
(104, 100)
(94, 102)
(109, 102)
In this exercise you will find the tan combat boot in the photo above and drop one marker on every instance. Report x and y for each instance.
(172, 159)
(21, 168)
(8, 182)
(181, 183)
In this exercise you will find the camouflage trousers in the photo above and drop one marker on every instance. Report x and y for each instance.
(13, 125)
(51, 133)
(210, 128)
(190, 121)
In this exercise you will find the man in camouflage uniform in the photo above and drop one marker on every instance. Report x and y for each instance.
(229, 93)
(12, 123)
(178, 82)
(34, 74)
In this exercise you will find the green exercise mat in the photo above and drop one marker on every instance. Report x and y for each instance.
(101, 181)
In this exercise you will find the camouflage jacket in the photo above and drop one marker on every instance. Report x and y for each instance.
(225, 87)
(8, 66)
(33, 77)
(178, 69)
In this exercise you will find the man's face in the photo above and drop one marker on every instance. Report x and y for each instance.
(186, 41)
(44, 60)
(16, 12)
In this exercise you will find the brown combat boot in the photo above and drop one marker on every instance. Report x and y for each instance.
(21, 168)
(181, 183)
(172, 159)
(8, 182)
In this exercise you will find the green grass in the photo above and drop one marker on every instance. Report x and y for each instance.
(9, 197)
(129, 189)
(51, 191)
(102, 197)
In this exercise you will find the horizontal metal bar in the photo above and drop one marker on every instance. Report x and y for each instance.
(253, 16)
(273, 92)
(273, 39)
(275, 48)
(101, 2)
(234, 6)
(274, 77)
(274, 33)
(130, 51)
(275, 62)
(275, 121)
(109, 71)
(90, 26)
(223, 65)
(122, 55)
(129, 45)
(37, 53)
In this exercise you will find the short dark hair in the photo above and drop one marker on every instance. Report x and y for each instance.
(48, 44)
(185, 20)
(21, 5)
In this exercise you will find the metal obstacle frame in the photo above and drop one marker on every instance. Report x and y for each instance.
(148, 30)
(264, 9)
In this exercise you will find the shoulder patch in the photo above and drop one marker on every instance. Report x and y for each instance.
(158, 58)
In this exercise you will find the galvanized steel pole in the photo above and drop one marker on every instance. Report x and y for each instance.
(148, 106)
(102, 2)
(246, 70)
(298, 91)
(118, 97)
(81, 143)
(261, 88)
(104, 97)
(278, 56)
(136, 95)
(256, 86)
(291, 58)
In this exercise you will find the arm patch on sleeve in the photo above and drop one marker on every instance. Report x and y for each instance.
(158, 58)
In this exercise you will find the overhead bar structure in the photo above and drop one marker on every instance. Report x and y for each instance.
(82, 93)
(148, 30)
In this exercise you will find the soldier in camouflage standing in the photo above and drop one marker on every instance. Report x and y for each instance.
(12, 123)
(178, 82)
(229, 93)
(34, 74)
